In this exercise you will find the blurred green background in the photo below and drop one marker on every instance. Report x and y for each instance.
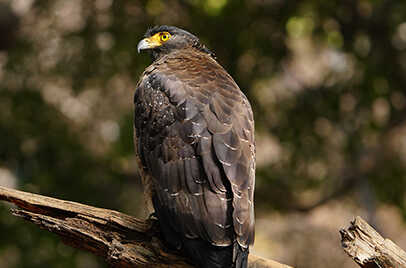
(326, 80)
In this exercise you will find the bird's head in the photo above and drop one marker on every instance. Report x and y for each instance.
(162, 40)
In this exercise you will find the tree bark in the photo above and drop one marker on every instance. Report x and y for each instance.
(369, 249)
(122, 240)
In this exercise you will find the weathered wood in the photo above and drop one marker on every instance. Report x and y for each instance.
(369, 249)
(122, 240)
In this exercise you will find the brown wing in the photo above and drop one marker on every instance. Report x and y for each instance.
(195, 137)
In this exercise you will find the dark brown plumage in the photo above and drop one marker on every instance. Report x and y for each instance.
(194, 136)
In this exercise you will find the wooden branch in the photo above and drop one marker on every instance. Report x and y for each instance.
(122, 240)
(369, 249)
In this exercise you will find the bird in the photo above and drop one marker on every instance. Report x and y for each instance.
(195, 148)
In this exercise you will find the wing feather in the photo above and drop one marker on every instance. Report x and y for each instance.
(195, 137)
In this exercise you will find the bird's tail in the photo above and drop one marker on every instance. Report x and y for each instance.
(205, 255)
(240, 256)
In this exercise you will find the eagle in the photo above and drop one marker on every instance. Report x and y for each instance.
(194, 142)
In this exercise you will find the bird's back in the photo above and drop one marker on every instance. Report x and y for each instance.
(194, 140)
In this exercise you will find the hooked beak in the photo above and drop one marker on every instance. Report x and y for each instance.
(143, 44)
(149, 43)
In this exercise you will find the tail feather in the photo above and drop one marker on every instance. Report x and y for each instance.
(205, 255)
(201, 253)
(240, 256)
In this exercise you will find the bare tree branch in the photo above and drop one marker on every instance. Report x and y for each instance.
(122, 240)
(369, 249)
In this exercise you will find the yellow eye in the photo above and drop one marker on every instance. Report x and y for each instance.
(165, 36)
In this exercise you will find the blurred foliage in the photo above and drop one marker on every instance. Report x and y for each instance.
(325, 78)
